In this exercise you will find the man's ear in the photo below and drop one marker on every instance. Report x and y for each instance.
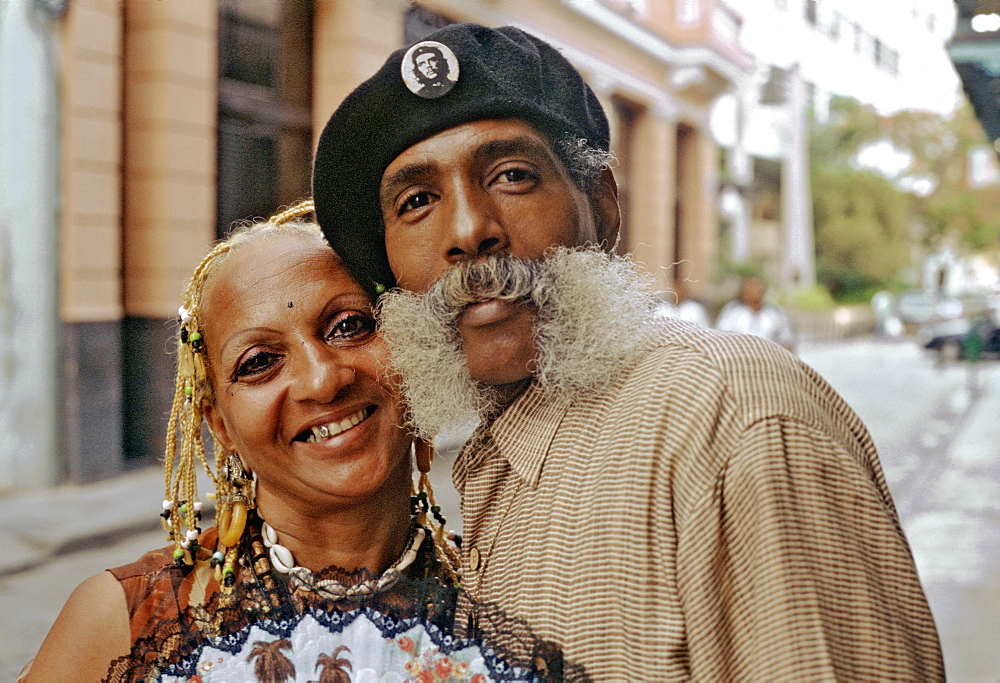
(607, 212)
(218, 426)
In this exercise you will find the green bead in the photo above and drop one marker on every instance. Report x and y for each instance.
(178, 553)
(379, 288)
(435, 508)
(227, 571)
(184, 509)
(195, 336)
(188, 390)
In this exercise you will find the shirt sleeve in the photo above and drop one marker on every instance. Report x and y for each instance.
(784, 335)
(726, 320)
(795, 568)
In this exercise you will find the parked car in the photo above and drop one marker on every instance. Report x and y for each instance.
(916, 306)
(949, 339)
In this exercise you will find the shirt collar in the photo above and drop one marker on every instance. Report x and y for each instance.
(524, 432)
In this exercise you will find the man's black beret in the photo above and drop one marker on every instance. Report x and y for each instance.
(502, 73)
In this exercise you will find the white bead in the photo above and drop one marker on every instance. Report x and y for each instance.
(183, 314)
(198, 506)
(192, 535)
(168, 504)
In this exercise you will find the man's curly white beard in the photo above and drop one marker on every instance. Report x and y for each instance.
(595, 315)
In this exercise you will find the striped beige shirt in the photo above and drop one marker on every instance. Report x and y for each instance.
(715, 513)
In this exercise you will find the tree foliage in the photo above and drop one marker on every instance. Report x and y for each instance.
(868, 222)
(861, 217)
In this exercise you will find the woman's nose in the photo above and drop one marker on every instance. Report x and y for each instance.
(320, 374)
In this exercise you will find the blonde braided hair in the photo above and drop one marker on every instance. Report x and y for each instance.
(192, 387)
(185, 444)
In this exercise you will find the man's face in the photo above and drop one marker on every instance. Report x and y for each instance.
(475, 190)
(752, 293)
(429, 64)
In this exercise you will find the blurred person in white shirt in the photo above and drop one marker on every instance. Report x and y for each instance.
(676, 304)
(749, 314)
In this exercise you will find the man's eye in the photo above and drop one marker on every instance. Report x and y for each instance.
(256, 363)
(353, 326)
(515, 175)
(414, 201)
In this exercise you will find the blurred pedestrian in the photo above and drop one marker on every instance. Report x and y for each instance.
(972, 349)
(677, 304)
(750, 314)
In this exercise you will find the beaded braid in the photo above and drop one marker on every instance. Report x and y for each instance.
(422, 502)
(184, 444)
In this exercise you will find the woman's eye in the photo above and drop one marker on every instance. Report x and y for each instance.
(515, 175)
(352, 326)
(256, 363)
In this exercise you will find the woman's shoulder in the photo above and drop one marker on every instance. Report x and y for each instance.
(152, 562)
(73, 648)
(157, 561)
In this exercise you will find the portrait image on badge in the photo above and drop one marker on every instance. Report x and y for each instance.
(429, 69)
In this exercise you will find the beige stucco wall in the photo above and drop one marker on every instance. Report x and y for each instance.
(351, 41)
(170, 143)
(699, 232)
(155, 173)
(653, 196)
(90, 234)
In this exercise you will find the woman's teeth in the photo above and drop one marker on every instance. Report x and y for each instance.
(331, 430)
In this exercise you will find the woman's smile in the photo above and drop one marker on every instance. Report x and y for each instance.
(325, 432)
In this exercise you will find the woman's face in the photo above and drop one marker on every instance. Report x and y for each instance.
(298, 372)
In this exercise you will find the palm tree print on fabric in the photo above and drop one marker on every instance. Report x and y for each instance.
(334, 668)
(272, 666)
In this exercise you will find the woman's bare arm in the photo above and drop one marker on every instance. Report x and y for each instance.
(91, 630)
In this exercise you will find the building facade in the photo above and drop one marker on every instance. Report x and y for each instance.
(167, 120)
(891, 55)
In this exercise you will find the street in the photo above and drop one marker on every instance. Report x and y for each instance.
(937, 430)
(938, 436)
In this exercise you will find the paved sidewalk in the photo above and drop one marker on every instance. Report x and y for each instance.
(38, 525)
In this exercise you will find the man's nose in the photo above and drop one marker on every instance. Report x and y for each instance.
(476, 229)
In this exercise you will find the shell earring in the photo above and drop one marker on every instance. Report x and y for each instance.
(233, 514)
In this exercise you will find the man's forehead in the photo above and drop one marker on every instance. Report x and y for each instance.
(484, 139)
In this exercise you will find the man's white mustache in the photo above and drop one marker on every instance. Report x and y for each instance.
(498, 277)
